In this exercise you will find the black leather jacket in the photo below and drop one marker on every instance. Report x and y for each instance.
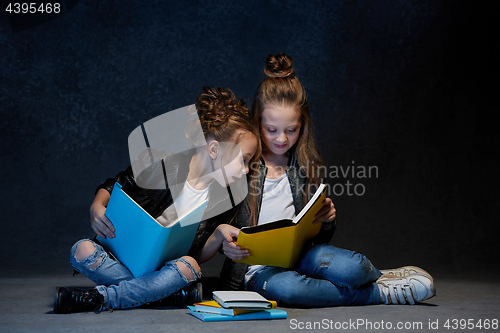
(233, 273)
(156, 201)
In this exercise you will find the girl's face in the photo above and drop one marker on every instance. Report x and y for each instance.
(236, 157)
(280, 127)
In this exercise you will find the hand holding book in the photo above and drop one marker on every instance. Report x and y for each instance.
(327, 213)
(229, 246)
(225, 235)
(142, 244)
(276, 243)
(99, 222)
(280, 243)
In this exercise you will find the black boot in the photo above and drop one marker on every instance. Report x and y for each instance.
(188, 296)
(75, 299)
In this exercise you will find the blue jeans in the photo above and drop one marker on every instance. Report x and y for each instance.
(324, 276)
(120, 288)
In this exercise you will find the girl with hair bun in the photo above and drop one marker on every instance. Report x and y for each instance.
(288, 171)
(229, 135)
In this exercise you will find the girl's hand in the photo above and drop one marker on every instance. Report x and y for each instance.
(229, 235)
(327, 213)
(100, 222)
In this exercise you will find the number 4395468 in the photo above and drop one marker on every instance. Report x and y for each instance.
(33, 8)
(474, 324)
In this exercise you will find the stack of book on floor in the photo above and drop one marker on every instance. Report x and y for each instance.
(236, 305)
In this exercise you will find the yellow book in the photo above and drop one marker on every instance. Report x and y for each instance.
(214, 307)
(280, 243)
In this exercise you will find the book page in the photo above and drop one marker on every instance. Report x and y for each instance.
(168, 218)
(311, 202)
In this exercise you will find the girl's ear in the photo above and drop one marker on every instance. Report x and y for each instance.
(213, 149)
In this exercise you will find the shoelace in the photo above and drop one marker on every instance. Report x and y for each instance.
(398, 294)
(83, 300)
(101, 308)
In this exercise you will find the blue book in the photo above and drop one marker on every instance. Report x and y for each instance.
(141, 243)
(258, 315)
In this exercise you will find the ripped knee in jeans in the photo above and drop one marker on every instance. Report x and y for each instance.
(189, 268)
(325, 259)
(86, 255)
(366, 265)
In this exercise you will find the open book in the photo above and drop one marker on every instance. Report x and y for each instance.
(280, 243)
(141, 243)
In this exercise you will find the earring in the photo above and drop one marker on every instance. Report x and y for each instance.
(212, 163)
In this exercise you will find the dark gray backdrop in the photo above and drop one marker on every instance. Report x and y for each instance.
(400, 85)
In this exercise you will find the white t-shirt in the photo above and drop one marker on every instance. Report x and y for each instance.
(277, 200)
(277, 204)
(187, 199)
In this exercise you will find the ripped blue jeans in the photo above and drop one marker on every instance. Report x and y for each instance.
(324, 276)
(120, 288)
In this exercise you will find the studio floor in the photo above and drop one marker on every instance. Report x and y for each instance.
(469, 301)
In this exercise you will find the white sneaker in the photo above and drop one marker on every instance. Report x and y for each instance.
(403, 272)
(411, 289)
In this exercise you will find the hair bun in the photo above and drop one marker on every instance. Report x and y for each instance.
(216, 105)
(279, 66)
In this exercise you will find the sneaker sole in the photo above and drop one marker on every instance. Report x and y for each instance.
(56, 302)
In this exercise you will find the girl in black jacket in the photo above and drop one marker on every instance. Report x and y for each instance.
(193, 177)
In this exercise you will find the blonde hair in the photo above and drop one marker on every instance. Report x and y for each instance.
(281, 87)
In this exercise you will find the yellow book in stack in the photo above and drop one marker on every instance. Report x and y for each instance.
(235, 306)
(214, 307)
